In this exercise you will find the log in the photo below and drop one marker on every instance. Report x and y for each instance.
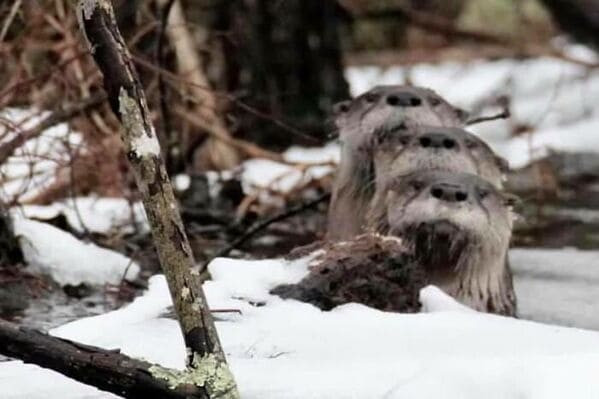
(107, 370)
(127, 100)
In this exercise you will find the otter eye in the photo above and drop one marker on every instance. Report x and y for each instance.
(434, 101)
(482, 193)
(470, 143)
(370, 97)
(417, 184)
(404, 140)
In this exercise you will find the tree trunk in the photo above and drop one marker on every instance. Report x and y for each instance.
(283, 59)
(127, 99)
(580, 18)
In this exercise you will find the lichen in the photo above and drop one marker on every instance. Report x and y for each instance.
(207, 372)
(143, 143)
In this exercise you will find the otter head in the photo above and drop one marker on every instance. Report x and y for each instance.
(401, 150)
(458, 227)
(358, 118)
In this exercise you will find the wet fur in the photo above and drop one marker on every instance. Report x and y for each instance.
(476, 271)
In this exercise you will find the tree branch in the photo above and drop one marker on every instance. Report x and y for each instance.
(107, 370)
(126, 96)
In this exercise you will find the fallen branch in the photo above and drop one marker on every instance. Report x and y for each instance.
(107, 370)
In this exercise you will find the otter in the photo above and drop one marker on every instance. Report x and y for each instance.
(404, 150)
(458, 226)
(383, 108)
(433, 227)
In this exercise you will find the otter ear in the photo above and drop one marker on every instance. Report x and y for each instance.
(462, 115)
(502, 164)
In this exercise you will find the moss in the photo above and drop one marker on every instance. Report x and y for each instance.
(207, 371)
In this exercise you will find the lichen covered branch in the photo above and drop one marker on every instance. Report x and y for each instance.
(127, 99)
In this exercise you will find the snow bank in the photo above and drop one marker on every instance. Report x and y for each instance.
(94, 214)
(287, 349)
(66, 259)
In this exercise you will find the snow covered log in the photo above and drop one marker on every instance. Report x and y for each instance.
(127, 100)
(105, 369)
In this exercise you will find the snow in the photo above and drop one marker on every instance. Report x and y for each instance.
(144, 145)
(68, 260)
(33, 166)
(313, 163)
(94, 214)
(288, 349)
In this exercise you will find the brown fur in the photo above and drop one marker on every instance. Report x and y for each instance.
(462, 243)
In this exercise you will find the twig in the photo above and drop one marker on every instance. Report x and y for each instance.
(504, 114)
(261, 225)
(9, 19)
(56, 117)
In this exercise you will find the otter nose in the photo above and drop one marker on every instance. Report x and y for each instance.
(403, 99)
(449, 192)
(437, 140)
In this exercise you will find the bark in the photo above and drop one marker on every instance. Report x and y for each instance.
(105, 369)
(127, 99)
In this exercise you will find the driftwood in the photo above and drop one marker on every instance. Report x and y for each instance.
(207, 370)
(107, 370)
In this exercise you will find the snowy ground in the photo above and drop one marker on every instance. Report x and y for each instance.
(352, 351)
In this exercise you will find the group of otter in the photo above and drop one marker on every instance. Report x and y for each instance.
(419, 194)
